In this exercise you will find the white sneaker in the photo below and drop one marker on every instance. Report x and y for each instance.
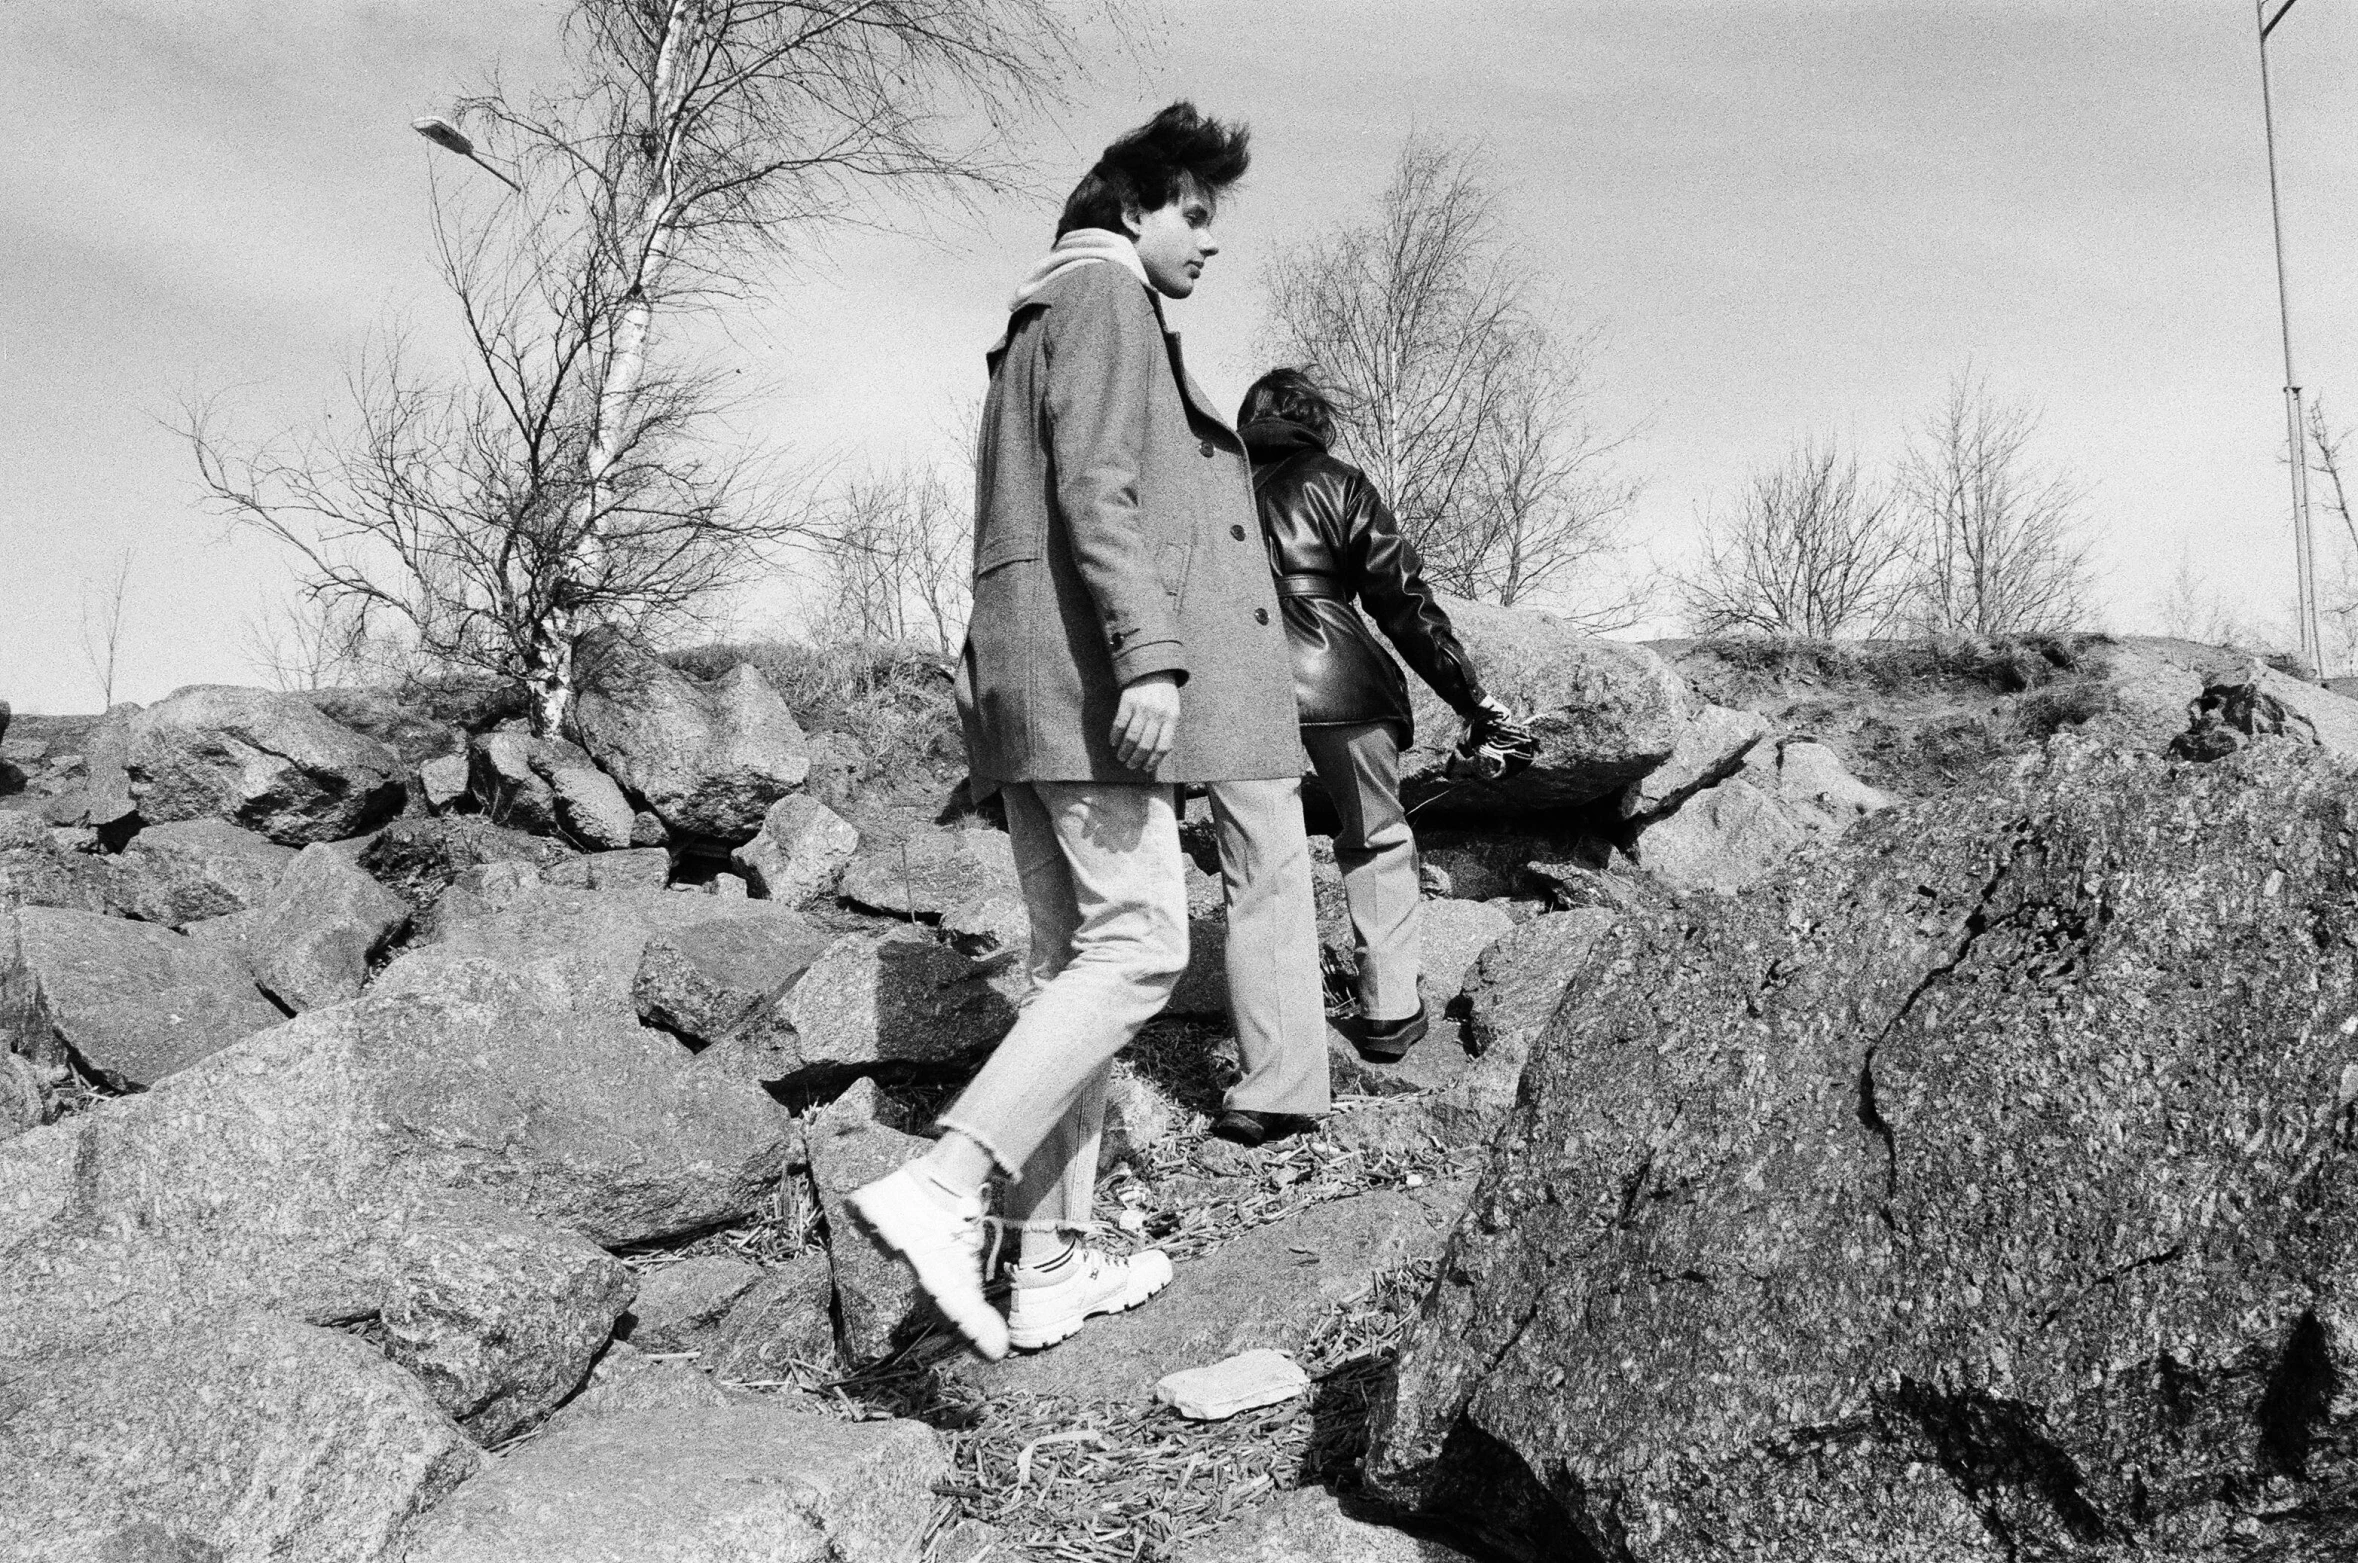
(1050, 1305)
(942, 1244)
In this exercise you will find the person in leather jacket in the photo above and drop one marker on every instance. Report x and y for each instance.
(1336, 550)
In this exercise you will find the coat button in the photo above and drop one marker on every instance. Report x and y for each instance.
(1205, 446)
(1260, 615)
(1236, 532)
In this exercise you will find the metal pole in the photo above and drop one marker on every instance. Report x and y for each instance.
(2295, 433)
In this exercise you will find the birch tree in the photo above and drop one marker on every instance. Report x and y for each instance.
(576, 473)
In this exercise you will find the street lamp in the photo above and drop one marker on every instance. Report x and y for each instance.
(450, 138)
(2296, 436)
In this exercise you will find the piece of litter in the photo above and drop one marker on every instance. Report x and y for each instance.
(1415, 1180)
(1131, 1220)
(1242, 1383)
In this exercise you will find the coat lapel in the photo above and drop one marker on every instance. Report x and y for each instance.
(1197, 401)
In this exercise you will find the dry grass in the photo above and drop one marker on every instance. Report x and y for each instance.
(1097, 1482)
(1082, 1482)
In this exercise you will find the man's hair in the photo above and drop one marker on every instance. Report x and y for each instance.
(1292, 395)
(1154, 165)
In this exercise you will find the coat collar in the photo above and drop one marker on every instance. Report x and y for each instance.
(1270, 439)
(1027, 297)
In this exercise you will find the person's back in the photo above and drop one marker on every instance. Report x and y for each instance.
(1333, 543)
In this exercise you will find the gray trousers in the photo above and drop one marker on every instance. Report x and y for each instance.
(1104, 885)
(1359, 766)
(1276, 996)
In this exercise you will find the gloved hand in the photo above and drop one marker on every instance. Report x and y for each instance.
(1495, 747)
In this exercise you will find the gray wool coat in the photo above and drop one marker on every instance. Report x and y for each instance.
(1115, 536)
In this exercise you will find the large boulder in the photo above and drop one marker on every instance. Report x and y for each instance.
(418, 859)
(548, 787)
(2259, 702)
(414, 732)
(589, 1124)
(312, 940)
(931, 872)
(343, 1167)
(239, 1440)
(707, 979)
(1983, 1190)
(876, 1297)
(24, 1095)
(708, 759)
(801, 848)
(873, 1001)
(1736, 833)
(679, 1303)
(1461, 1096)
(1605, 713)
(38, 874)
(129, 1002)
(576, 947)
(268, 761)
(190, 870)
(781, 1328)
(1309, 1525)
(497, 1315)
(699, 1484)
(1709, 749)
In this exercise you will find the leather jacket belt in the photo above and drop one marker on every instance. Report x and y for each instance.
(1310, 585)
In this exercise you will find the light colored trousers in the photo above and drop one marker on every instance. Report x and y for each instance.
(1359, 765)
(1105, 886)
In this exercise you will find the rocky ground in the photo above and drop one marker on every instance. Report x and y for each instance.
(420, 1140)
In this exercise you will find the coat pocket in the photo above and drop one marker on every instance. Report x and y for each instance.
(1001, 552)
(1170, 565)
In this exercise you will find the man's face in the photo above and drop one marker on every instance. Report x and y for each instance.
(1174, 242)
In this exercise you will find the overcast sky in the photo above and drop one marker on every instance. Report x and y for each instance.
(1787, 218)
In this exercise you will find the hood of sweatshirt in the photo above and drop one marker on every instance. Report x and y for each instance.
(1081, 247)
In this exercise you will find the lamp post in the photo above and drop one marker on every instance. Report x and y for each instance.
(2295, 430)
(450, 138)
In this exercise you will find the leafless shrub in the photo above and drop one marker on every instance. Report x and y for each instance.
(1810, 550)
(1994, 535)
(897, 546)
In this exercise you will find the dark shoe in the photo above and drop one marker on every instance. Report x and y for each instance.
(1388, 1041)
(1243, 1126)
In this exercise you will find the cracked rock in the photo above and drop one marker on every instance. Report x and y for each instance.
(1976, 1191)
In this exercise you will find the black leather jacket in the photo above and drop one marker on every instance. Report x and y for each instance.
(1332, 541)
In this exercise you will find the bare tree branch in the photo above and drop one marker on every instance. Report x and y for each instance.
(1809, 551)
(103, 601)
(1461, 401)
(1996, 541)
(571, 477)
(898, 546)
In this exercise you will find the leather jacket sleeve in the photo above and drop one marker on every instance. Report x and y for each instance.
(1388, 576)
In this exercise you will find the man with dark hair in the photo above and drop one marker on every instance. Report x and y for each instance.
(1124, 638)
(1333, 543)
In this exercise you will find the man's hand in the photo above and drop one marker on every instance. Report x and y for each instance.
(1146, 723)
